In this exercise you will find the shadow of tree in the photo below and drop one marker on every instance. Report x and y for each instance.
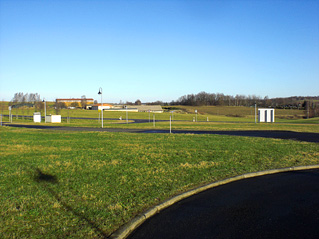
(46, 180)
(42, 177)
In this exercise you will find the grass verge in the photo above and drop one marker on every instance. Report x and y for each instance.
(311, 125)
(87, 184)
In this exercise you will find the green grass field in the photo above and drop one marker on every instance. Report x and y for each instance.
(219, 118)
(236, 111)
(216, 113)
(87, 184)
(302, 125)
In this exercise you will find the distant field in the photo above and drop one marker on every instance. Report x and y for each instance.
(304, 126)
(180, 112)
(87, 184)
(238, 111)
(209, 118)
(184, 113)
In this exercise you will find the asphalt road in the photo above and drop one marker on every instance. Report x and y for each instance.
(284, 205)
(276, 134)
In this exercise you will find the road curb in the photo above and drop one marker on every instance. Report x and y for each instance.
(124, 231)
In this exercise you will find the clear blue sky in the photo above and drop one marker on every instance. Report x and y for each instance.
(158, 50)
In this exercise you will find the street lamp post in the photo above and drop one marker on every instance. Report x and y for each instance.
(45, 111)
(100, 93)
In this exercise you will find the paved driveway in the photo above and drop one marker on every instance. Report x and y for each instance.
(284, 205)
(277, 134)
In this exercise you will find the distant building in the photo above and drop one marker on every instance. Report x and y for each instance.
(149, 108)
(69, 101)
(100, 106)
(89, 107)
(137, 108)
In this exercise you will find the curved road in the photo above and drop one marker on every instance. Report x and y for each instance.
(284, 205)
(278, 134)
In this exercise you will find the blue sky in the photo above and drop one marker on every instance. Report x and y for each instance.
(158, 50)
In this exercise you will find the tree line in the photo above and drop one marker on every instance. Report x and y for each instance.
(309, 104)
(29, 100)
(219, 99)
(23, 98)
(216, 99)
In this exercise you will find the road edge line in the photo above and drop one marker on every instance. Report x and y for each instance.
(125, 230)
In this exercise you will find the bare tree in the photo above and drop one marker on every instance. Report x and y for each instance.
(39, 106)
(83, 101)
(58, 106)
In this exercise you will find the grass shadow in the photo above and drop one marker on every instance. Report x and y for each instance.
(46, 180)
(42, 177)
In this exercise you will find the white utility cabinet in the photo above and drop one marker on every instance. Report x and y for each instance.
(37, 117)
(266, 115)
(53, 118)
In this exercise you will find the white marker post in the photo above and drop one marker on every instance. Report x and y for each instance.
(170, 124)
(68, 119)
(126, 115)
(1, 111)
(10, 114)
(255, 114)
(196, 114)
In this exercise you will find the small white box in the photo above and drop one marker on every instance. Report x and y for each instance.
(53, 118)
(37, 117)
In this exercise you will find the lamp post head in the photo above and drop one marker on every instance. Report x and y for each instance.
(100, 91)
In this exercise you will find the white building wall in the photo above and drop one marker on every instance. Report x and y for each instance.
(104, 107)
(95, 107)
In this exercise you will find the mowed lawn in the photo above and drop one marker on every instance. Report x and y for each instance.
(87, 184)
(213, 113)
(183, 117)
